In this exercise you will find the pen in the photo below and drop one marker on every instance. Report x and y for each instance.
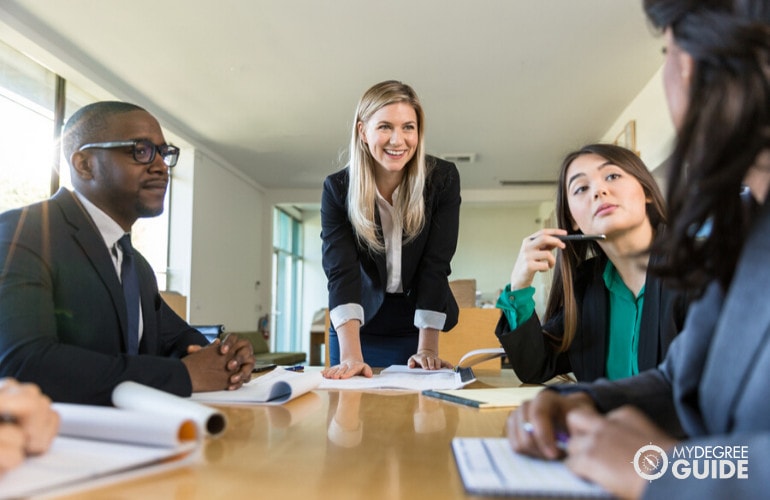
(562, 438)
(295, 368)
(580, 237)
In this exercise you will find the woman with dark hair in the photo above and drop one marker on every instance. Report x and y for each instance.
(389, 224)
(605, 317)
(711, 391)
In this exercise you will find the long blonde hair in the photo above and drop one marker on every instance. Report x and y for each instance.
(362, 193)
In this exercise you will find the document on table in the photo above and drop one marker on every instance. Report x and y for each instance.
(401, 377)
(497, 397)
(98, 445)
(273, 388)
(488, 466)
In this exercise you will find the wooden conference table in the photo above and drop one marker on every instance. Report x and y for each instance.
(329, 444)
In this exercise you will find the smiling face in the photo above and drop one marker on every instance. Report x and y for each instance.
(391, 135)
(603, 198)
(114, 181)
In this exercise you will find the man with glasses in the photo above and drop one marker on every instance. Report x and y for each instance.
(80, 310)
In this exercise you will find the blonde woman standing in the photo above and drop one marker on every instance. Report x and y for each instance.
(389, 230)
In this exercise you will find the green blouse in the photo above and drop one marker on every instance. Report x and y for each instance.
(625, 318)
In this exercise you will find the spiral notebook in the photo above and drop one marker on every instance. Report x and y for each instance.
(488, 466)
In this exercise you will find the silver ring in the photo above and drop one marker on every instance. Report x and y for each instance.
(527, 427)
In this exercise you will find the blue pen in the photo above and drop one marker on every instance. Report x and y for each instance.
(295, 368)
(562, 438)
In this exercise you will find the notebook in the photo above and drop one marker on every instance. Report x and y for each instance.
(498, 397)
(488, 466)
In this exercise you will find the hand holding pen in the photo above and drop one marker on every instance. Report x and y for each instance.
(536, 254)
(538, 427)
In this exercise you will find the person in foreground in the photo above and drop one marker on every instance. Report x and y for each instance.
(67, 323)
(389, 229)
(28, 424)
(711, 391)
(605, 316)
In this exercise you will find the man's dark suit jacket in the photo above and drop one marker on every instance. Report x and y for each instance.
(63, 315)
(358, 276)
(532, 353)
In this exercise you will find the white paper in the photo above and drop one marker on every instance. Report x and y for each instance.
(488, 466)
(401, 377)
(73, 464)
(127, 426)
(133, 396)
(477, 356)
(273, 388)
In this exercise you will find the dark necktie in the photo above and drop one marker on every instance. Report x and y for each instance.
(130, 282)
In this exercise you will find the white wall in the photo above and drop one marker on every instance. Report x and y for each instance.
(315, 295)
(226, 271)
(488, 243)
(654, 131)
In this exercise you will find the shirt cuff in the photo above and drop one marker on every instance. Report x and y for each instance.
(344, 313)
(429, 319)
(518, 305)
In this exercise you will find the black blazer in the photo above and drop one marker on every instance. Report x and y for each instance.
(357, 276)
(63, 316)
(531, 346)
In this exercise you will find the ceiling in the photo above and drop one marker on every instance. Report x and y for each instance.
(270, 86)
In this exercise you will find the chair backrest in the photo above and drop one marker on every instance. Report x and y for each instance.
(258, 342)
(177, 302)
(464, 292)
(475, 330)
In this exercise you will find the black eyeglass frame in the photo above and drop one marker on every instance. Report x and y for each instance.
(170, 155)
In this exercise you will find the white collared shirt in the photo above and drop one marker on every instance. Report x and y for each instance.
(392, 233)
(111, 232)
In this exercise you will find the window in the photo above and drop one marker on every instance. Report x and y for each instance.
(26, 129)
(28, 172)
(287, 279)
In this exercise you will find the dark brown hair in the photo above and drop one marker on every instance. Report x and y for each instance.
(562, 295)
(724, 129)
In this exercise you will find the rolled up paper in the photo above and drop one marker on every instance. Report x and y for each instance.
(133, 396)
(126, 426)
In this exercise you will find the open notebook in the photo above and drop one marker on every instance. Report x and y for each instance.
(274, 388)
(488, 466)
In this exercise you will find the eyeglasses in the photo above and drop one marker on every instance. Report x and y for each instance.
(143, 150)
